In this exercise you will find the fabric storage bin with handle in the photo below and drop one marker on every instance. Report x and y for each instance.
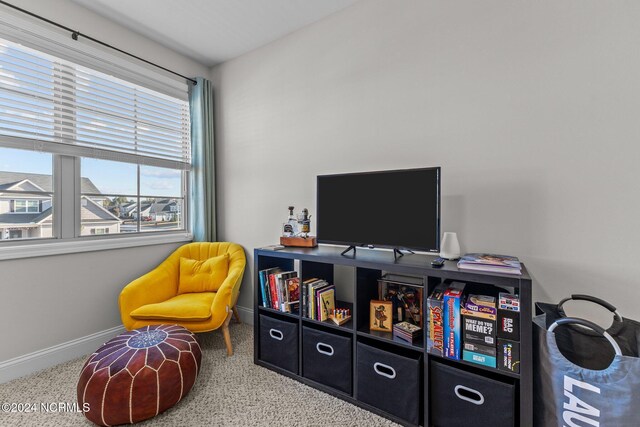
(326, 358)
(279, 343)
(390, 382)
(461, 398)
(585, 375)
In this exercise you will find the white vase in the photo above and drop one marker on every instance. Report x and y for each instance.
(450, 247)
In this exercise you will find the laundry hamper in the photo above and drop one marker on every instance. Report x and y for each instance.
(585, 375)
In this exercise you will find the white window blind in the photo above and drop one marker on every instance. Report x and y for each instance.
(54, 105)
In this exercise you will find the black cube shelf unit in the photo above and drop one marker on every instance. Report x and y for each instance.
(410, 386)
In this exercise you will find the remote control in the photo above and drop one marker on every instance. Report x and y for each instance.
(438, 262)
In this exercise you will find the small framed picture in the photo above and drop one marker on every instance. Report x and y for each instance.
(381, 316)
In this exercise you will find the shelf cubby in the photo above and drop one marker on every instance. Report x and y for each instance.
(293, 315)
(388, 337)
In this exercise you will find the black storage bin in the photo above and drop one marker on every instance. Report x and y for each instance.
(326, 358)
(279, 343)
(390, 382)
(457, 397)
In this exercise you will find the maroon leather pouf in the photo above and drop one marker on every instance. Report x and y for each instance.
(139, 374)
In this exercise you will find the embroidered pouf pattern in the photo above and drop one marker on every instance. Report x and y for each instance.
(139, 374)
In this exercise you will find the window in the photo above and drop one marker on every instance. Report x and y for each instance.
(25, 206)
(125, 145)
(95, 231)
(26, 195)
(128, 198)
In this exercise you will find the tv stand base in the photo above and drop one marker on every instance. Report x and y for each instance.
(349, 249)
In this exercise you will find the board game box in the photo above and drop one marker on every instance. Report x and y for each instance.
(452, 320)
(508, 317)
(479, 320)
(509, 356)
(435, 317)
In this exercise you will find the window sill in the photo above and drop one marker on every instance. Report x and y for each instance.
(53, 247)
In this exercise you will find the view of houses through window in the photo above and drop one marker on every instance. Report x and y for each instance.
(115, 197)
(141, 198)
(26, 194)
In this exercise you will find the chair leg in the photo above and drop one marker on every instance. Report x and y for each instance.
(236, 315)
(227, 337)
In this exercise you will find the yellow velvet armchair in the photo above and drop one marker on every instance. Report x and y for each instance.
(154, 299)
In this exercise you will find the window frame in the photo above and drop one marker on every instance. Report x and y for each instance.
(66, 222)
(66, 191)
(186, 228)
(184, 197)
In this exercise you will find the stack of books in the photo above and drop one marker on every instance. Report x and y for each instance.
(407, 331)
(491, 263)
(280, 290)
(318, 299)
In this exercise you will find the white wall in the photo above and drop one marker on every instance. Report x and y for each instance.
(531, 109)
(51, 300)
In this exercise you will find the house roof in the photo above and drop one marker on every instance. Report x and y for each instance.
(162, 206)
(89, 212)
(9, 179)
(28, 218)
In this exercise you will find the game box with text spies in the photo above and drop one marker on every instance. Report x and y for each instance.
(452, 319)
(435, 325)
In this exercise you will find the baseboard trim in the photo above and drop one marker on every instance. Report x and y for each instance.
(246, 314)
(47, 357)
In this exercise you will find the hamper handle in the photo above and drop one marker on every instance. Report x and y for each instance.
(595, 300)
(384, 370)
(276, 334)
(590, 325)
(322, 345)
(469, 394)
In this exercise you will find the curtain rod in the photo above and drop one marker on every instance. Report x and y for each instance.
(75, 34)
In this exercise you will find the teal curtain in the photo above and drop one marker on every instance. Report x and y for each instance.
(203, 173)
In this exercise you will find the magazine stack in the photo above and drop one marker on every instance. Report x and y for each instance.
(490, 263)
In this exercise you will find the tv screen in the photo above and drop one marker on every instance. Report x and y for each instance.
(396, 209)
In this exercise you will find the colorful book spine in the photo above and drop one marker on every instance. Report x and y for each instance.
(263, 287)
(305, 309)
(280, 291)
(274, 292)
(313, 297)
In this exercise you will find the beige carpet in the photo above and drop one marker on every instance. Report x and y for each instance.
(229, 392)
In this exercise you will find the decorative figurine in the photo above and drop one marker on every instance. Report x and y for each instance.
(290, 228)
(304, 223)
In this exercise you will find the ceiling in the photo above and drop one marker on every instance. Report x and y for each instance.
(214, 31)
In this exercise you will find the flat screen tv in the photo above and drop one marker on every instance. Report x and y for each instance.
(392, 209)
